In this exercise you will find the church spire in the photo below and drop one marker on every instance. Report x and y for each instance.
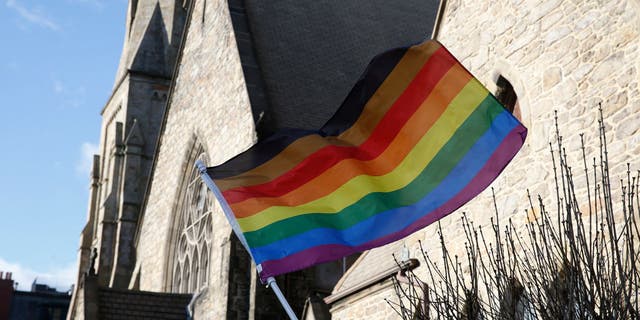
(152, 37)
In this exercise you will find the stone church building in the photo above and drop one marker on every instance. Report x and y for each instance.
(205, 79)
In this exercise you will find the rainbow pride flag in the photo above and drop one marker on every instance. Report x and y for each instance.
(416, 138)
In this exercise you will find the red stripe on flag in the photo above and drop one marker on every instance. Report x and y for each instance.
(406, 105)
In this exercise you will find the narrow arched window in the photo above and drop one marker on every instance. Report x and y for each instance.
(192, 239)
(506, 94)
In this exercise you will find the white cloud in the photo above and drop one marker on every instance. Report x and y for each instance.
(35, 16)
(87, 151)
(96, 3)
(71, 97)
(60, 278)
(13, 66)
(73, 103)
(58, 87)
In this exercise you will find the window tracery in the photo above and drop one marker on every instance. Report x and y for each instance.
(193, 234)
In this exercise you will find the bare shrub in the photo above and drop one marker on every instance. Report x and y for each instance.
(567, 264)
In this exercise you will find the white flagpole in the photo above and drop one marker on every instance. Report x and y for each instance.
(271, 282)
(223, 203)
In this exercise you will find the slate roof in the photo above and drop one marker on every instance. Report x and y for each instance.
(141, 305)
(311, 53)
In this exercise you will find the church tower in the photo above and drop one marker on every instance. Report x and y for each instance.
(240, 70)
(131, 120)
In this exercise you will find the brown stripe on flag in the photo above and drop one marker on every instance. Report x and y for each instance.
(373, 112)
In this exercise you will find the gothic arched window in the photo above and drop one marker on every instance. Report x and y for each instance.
(192, 233)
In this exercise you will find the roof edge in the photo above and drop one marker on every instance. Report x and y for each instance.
(403, 265)
(438, 22)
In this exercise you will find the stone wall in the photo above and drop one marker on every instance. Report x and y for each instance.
(209, 105)
(105, 213)
(564, 56)
(129, 130)
(367, 304)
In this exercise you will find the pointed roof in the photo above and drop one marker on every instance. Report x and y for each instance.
(152, 37)
(150, 56)
(373, 266)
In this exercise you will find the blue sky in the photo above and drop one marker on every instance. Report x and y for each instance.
(58, 61)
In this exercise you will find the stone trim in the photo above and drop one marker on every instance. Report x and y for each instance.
(506, 70)
(163, 125)
(404, 265)
(436, 26)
